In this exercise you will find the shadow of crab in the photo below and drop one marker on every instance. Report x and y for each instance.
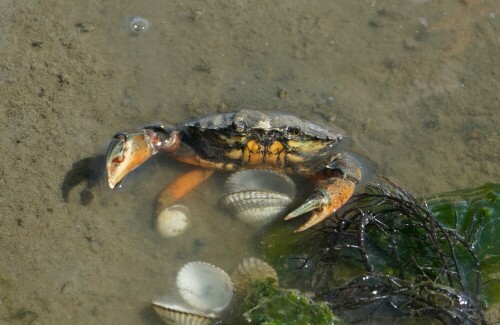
(88, 171)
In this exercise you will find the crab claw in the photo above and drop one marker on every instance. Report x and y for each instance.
(129, 149)
(330, 196)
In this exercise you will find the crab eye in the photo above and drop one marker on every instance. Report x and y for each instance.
(239, 126)
(120, 137)
(293, 130)
(160, 128)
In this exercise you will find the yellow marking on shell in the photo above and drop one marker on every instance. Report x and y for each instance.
(233, 139)
(235, 154)
(308, 146)
(272, 159)
(246, 155)
(282, 158)
(294, 144)
(275, 148)
(254, 146)
(273, 153)
(255, 152)
(256, 158)
(294, 158)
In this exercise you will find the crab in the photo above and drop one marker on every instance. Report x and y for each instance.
(243, 140)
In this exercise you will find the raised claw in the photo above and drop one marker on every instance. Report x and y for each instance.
(129, 149)
(330, 196)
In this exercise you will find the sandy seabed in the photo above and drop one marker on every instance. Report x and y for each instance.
(415, 86)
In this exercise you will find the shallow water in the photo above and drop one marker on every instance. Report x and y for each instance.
(415, 86)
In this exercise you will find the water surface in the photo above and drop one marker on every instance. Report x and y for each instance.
(415, 86)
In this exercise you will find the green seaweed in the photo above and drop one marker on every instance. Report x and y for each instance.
(415, 264)
(279, 246)
(388, 254)
(267, 304)
(475, 215)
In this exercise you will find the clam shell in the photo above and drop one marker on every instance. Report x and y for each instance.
(205, 286)
(172, 221)
(249, 270)
(260, 180)
(256, 207)
(175, 314)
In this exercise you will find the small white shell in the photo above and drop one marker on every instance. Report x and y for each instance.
(256, 207)
(205, 286)
(251, 269)
(175, 314)
(172, 221)
(260, 180)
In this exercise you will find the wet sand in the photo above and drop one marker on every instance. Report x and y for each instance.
(416, 88)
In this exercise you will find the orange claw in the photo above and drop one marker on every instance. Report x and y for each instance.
(181, 187)
(330, 196)
(127, 151)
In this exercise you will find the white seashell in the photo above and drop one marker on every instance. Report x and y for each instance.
(256, 207)
(205, 286)
(251, 269)
(175, 314)
(172, 221)
(260, 180)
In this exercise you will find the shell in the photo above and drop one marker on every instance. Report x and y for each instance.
(205, 286)
(256, 207)
(260, 180)
(249, 270)
(172, 221)
(175, 314)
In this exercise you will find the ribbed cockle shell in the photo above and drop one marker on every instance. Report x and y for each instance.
(260, 180)
(256, 207)
(204, 286)
(175, 314)
(172, 221)
(249, 270)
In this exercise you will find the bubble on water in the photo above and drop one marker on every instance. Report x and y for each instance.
(138, 25)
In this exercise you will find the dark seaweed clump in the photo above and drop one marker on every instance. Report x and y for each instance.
(412, 265)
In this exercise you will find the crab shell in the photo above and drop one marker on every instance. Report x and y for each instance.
(244, 120)
(252, 138)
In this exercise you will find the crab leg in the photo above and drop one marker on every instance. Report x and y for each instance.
(182, 186)
(330, 196)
